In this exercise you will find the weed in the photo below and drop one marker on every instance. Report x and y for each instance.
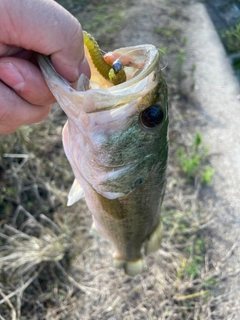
(185, 39)
(181, 58)
(196, 254)
(193, 68)
(231, 38)
(180, 75)
(207, 174)
(163, 50)
(192, 161)
(103, 22)
(210, 282)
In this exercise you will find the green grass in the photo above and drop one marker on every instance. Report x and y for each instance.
(231, 38)
(193, 159)
(171, 31)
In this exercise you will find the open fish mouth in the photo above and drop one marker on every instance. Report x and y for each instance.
(141, 61)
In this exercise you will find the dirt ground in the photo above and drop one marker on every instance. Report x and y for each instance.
(51, 267)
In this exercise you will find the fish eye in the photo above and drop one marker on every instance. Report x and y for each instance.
(152, 116)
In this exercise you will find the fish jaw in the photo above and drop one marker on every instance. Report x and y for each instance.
(119, 164)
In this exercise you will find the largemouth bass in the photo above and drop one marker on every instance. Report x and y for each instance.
(117, 144)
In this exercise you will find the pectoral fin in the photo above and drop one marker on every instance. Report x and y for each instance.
(76, 193)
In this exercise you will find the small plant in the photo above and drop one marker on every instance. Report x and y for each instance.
(185, 39)
(163, 50)
(231, 38)
(180, 59)
(196, 258)
(207, 174)
(192, 161)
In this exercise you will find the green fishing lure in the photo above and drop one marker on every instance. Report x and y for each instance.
(114, 73)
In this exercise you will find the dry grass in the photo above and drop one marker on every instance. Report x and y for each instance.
(55, 270)
(52, 268)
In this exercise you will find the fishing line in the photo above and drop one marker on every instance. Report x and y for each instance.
(102, 51)
(166, 58)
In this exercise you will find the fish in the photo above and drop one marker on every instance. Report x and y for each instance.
(116, 140)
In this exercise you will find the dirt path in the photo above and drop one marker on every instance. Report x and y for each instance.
(218, 110)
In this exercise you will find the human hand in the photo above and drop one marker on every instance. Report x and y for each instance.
(27, 27)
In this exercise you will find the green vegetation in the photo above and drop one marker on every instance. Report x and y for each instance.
(231, 38)
(180, 59)
(103, 20)
(171, 31)
(184, 226)
(182, 229)
(192, 160)
(236, 66)
(196, 254)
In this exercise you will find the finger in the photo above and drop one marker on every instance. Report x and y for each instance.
(6, 50)
(26, 79)
(58, 33)
(14, 111)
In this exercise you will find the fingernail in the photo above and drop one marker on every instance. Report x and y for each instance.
(11, 75)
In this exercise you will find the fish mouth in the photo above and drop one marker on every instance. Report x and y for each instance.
(141, 79)
(138, 62)
(103, 95)
(144, 57)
